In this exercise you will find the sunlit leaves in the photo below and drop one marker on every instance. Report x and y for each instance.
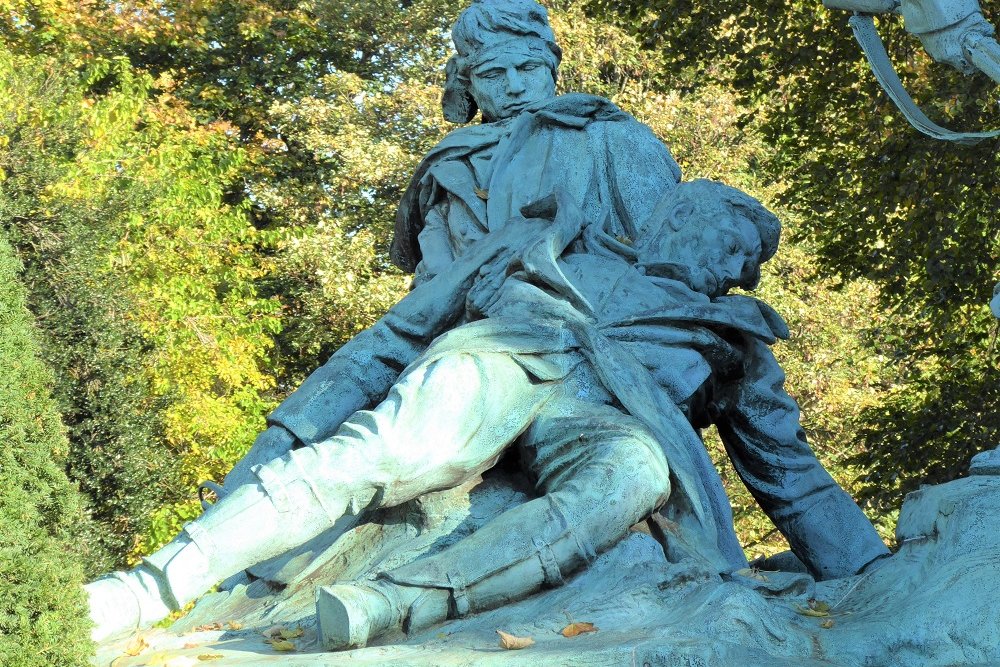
(879, 201)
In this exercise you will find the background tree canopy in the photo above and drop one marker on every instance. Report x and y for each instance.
(877, 201)
(201, 195)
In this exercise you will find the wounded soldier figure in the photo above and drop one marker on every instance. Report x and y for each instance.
(578, 313)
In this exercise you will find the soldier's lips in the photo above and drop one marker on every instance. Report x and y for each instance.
(521, 105)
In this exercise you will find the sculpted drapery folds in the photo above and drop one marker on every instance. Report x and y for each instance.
(570, 301)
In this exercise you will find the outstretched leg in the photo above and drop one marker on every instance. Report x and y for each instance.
(444, 421)
(601, 472)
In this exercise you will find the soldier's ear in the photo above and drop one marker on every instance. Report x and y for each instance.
(457, 103)
(679, 215)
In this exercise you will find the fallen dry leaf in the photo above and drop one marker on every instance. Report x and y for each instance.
(291, 634)
(282, 645)
(234, 625)
(207, 627)
(805, 611)
(827, 624)
(136, 646)
(574, 629)
(482, 194)
(818, 605)
(513, 643)
(816, 608)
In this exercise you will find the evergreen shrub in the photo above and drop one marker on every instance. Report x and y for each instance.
(43, 612)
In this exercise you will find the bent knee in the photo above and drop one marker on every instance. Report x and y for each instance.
(640, 459)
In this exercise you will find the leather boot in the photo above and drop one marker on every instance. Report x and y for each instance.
(254, 523)
(351, 615)
(121, 603)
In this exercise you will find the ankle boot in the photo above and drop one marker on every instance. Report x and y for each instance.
(166, 581)
(254, 523)
(121, 603)
(351, 615)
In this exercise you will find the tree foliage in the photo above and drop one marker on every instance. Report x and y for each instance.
(877, 200)
(143, 279)
(85, 332)
(43, 618)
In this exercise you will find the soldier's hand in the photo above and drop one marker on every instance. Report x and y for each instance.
(486, 289)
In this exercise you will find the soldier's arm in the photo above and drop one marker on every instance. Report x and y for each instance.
(363, 370)
(759, 425)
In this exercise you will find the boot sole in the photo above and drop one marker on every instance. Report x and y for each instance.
(342, 613)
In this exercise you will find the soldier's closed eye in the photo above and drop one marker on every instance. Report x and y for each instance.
(733, 246)
(529, 66)
(490, 74)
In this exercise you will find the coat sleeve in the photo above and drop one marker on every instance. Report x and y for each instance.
(759, 425)
(435, 244)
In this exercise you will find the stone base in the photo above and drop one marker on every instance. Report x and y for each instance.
(933, 603)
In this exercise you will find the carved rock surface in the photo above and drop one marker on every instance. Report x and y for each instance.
(933, 603)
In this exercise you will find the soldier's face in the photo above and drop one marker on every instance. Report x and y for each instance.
(709, 254)
(721, 254)
(506, 84)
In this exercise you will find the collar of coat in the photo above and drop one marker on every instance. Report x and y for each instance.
(573, 110)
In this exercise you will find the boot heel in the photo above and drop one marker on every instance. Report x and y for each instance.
(350, 615)
(430, 608)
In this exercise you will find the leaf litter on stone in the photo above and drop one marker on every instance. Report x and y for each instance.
(282, 645)
(574, 629)
(816, 608)
(513, 642)
(136, 646)
(208, 627)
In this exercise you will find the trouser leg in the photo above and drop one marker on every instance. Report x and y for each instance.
(443, 422)
(596, 484)
(538, 544)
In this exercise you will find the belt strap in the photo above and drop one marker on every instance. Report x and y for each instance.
(864, 31)
(459, 594)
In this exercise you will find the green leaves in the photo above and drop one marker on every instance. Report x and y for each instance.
(43, 619)
(876, 200)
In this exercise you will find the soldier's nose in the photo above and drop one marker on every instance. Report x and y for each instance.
(515, 84)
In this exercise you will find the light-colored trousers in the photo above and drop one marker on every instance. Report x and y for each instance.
(597, 470)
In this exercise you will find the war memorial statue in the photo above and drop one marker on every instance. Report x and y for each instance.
(571, 309)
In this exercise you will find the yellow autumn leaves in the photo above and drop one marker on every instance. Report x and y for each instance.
(512, 642)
